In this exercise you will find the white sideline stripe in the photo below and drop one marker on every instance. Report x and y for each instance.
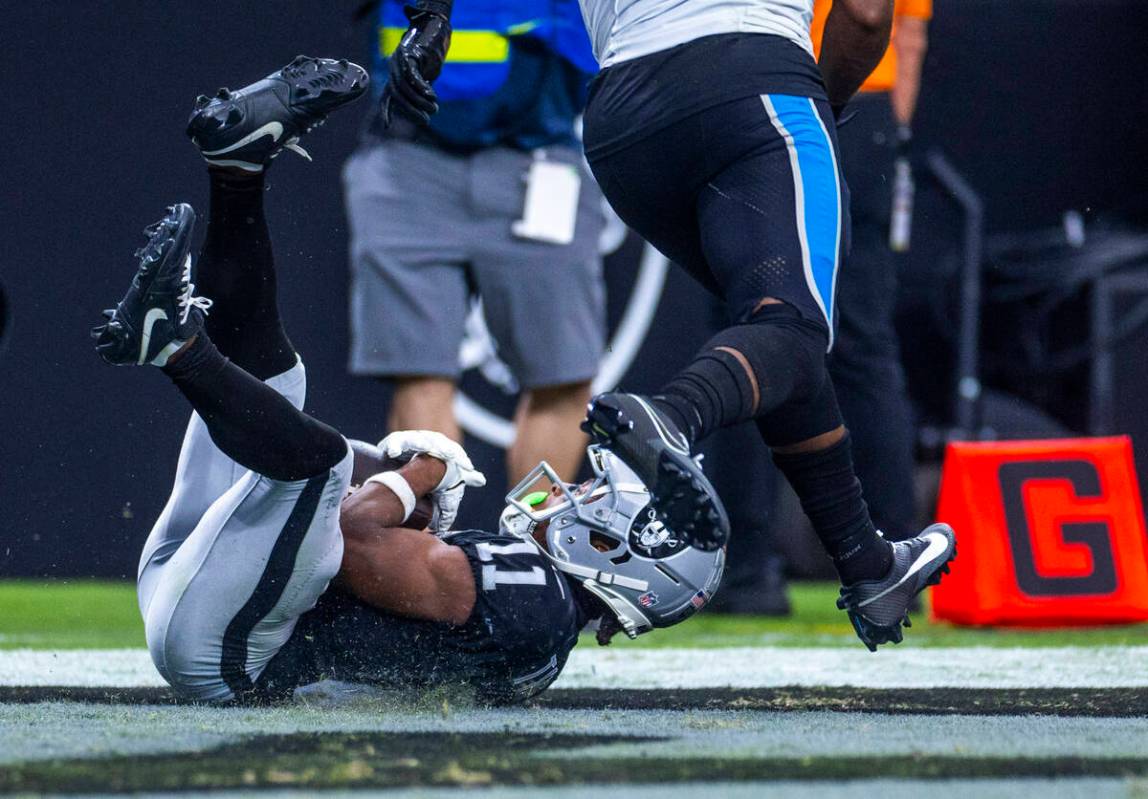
(84, 668)
(745, 667)
(770, 667)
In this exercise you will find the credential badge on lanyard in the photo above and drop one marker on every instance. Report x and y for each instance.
(550, 212)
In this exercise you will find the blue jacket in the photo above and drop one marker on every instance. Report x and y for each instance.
(517, 72)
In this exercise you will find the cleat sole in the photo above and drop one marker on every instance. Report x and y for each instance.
(682, 496)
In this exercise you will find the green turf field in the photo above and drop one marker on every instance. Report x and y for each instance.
(103, 615)
(1031, 739)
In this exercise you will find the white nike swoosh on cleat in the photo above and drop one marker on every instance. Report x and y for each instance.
(153, 316)
(938, 545)
(272, 129)
(246, 166)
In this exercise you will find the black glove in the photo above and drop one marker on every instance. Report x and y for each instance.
(417, 61)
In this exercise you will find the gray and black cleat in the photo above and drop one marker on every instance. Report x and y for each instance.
(160, 313)
(650, 443)
(246, 128)
(878, 608)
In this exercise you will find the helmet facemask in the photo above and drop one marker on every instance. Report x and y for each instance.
(606, 535)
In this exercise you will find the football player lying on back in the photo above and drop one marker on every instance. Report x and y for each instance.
(265, 571)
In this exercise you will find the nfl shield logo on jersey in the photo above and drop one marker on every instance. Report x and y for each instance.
(648, 599)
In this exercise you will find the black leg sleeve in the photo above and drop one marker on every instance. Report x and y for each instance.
(251, 422)
(773, 370)
(237, 271)
(748, 371)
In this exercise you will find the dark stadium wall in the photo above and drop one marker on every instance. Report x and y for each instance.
(1035, 101)
(97, 95)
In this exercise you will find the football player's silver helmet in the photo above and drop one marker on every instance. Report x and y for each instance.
(607, 535)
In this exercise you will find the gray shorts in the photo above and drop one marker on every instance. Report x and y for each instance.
(429, 230)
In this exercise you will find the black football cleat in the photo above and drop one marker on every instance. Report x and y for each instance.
(878, 608)
(244, 129)
(160, 313)
(652, 445)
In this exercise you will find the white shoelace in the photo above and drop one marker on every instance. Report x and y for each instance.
(187, 302)
(293, 145)
(186, 299)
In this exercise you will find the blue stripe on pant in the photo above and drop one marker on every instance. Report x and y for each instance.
(817, 189)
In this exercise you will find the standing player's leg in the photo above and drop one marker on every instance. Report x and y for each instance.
(545, 306)
(411, 239)
(424, 402)
(546, 424)
(772, 226)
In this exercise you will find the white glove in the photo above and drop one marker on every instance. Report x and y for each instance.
(460, 473)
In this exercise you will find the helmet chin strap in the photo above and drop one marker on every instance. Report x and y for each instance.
(589, 573)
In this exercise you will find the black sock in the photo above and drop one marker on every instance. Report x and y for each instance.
(830, 495)
(746, 371)
(251, 422)
(237, 271)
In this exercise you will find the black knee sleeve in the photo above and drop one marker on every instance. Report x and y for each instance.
(794, 422)
(774, 360)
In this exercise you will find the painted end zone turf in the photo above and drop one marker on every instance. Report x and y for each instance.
(742, 667)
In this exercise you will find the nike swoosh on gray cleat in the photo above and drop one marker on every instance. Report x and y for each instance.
(879, 608)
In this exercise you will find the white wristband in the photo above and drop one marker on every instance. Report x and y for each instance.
(399, 487)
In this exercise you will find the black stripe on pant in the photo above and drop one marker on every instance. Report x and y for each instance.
(280, 566)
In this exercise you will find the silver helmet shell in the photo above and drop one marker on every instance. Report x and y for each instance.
(607, 535)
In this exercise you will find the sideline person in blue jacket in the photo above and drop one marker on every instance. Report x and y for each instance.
(490, 201)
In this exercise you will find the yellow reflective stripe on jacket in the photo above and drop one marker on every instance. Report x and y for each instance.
(466, 47)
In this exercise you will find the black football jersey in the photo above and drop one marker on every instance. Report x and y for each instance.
(526, 619)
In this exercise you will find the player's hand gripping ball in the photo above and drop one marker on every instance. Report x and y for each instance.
(460, 473)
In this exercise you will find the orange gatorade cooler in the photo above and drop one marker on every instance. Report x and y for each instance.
(1048, 533)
